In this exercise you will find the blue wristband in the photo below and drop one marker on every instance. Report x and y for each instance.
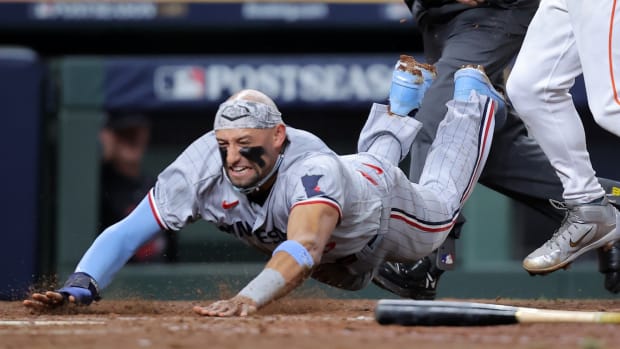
(297, 251)
(81, 295)
(81, 286)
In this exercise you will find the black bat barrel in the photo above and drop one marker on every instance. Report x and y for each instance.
(436, 313)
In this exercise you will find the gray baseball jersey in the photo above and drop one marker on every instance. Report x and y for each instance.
(382, 214)
(194, 186)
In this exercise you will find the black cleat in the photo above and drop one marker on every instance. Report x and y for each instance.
(609, 265)
(609, 255)
(417, 280)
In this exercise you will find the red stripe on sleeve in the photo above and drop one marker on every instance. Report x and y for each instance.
(154, 211)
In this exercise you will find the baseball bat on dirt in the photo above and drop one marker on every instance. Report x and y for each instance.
(445, 313)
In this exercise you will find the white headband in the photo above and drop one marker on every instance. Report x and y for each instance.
(246, 114)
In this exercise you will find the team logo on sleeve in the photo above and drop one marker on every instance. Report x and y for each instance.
(311, 184)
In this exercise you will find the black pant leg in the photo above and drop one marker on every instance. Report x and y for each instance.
(516, 167)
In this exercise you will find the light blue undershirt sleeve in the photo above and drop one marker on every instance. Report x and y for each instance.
(115, 246)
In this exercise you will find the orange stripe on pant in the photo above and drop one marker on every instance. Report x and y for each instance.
(610, 52)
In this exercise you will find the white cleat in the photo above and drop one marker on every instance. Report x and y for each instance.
(585, 227)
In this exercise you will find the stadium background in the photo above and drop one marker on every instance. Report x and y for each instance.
(62, 64)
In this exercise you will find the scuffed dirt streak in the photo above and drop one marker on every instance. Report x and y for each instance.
(291, 323)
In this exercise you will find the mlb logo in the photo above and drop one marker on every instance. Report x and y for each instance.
(447, 259)
(180, 83)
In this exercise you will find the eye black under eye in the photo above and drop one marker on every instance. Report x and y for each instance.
(253, 154)
(223, 153)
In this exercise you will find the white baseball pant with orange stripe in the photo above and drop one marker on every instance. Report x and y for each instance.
(564, 39)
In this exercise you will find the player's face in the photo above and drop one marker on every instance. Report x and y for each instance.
(249, 154)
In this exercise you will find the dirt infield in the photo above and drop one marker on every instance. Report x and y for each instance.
(290, 323)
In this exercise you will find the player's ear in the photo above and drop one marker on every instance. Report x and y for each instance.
(280, 135)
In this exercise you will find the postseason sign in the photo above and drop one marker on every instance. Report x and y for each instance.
(299, 81)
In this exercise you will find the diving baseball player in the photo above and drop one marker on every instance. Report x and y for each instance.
(284, 192)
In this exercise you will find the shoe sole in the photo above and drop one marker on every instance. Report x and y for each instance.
(479, 75)
(401, 292)
(614, 235)
(409, 65)
(410, 74)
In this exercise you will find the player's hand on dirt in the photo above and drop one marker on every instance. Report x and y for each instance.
(53, 299)
(47, 300)
(236, 306)
(471, 2)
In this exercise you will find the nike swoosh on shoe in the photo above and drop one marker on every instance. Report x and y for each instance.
(574, 244)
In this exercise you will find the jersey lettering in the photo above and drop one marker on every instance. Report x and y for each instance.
(239, 229)
(271, 237)
(243, 230)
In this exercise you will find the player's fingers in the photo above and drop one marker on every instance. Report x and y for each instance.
(205, 311)
(71, 299)
(45, 300)
(36, 305)
(199, 310)
(221, 309)
(33, 304)
(230, 310)
(39, 297)
(55, 297)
